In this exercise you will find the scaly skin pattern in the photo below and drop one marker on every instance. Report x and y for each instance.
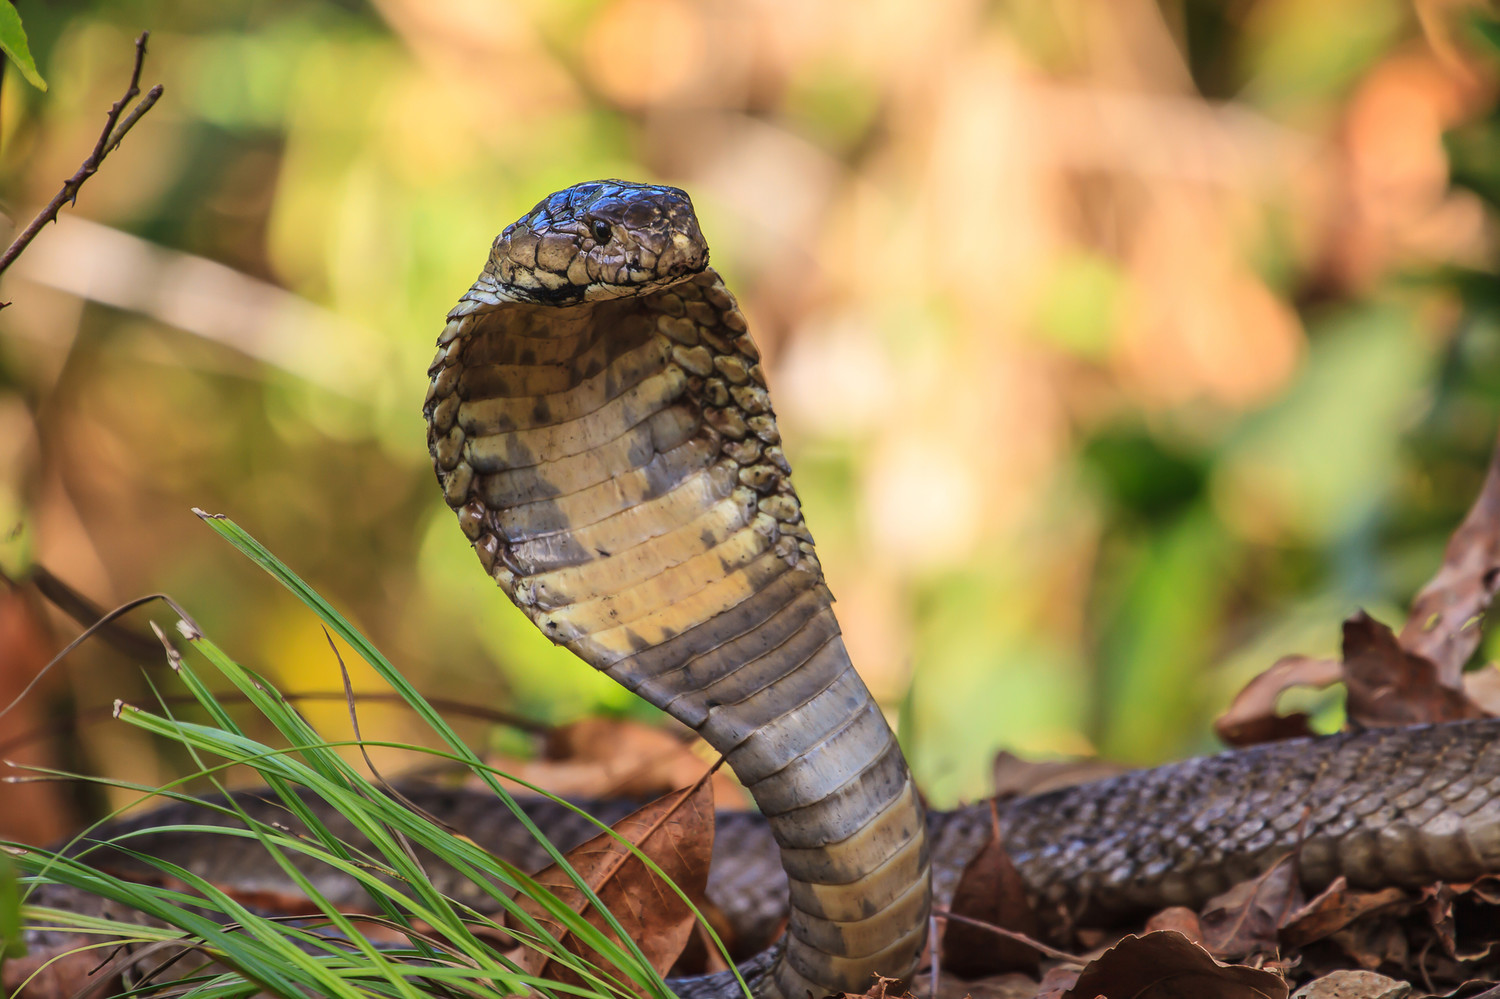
(599, 422)
(1395, 806)
(1391, 806)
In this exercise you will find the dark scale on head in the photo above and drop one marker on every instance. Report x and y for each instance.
(600, 240)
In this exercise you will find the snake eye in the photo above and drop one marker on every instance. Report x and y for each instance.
(600, 230)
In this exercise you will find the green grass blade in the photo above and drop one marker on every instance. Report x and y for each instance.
(12, 944)
(441, 946)
(636, 966)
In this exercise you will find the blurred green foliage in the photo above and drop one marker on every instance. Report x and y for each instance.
(13, 44)
(1120, 348)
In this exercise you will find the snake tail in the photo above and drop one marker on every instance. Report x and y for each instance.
(599, 422)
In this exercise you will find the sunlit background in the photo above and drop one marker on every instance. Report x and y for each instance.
(1119, 346)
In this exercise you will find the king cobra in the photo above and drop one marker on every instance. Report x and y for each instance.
(599, 421)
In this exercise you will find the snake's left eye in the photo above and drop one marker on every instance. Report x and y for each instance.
(600, 230)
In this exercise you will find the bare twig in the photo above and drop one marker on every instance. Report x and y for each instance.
(114, 131)
(1020, 938)
(83, 610)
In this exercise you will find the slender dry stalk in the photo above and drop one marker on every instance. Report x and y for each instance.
(109, 139)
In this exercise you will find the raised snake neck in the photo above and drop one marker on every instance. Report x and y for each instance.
(599, 421)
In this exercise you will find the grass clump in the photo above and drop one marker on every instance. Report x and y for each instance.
(409, 941)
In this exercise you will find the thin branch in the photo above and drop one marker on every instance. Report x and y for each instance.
(114, 131)
(103, 622)
(87, 613)
(1020, 938)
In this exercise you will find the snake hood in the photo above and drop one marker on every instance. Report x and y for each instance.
(597, 240)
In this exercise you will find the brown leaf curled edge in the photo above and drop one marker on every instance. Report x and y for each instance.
(1387, 685)
(1167, 965)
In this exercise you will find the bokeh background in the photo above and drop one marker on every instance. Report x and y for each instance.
(1120, 346)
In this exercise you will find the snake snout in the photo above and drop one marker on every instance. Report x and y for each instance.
(603, 239)
(652, 228)
(684, 254)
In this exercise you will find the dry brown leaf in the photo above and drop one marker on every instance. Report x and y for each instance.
(1484, 889)
(1477, 937)
(1179, 918)
(1482, 686)
(1474, 988)
(1354, 985)
(1057, 982)
(1167, 965)
(1016, 778)
(878, 990)
(1416, 679)
(1335, 908)
(1444, 624)
(1387, 685)
(1252, 718)
(991, 891)
(1437, 901)
(1374, 943)
(618, 758)
(1013, 985)
(1391, 686)
(675, 831)
(700, 955)
(1247, 918)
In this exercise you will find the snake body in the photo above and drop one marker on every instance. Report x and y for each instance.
(1396, 806)
(599, 421)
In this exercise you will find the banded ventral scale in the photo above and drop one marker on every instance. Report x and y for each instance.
(599, 421)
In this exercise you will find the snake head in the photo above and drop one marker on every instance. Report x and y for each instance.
(598, 240)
